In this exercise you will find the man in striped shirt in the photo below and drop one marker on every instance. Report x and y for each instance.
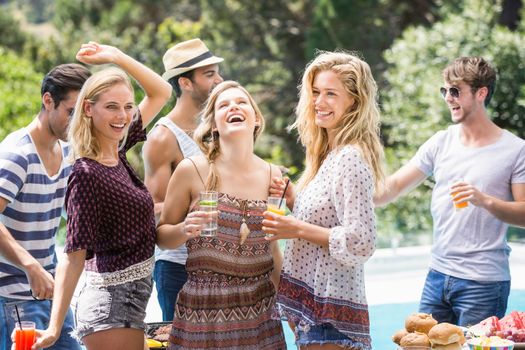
(33, 176)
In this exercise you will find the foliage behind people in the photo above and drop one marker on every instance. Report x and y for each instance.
(412, 106)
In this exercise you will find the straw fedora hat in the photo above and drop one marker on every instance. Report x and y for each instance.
(186, 56)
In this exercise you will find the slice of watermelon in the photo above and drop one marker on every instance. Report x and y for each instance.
(521, 315)
(511, 321)
(487, 327)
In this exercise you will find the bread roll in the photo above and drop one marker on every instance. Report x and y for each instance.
(396, 337)
(419, 322)
(415, 339)
(445, 333)
(452, 346)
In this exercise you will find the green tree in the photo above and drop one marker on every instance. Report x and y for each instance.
(413, 108)
(37, 11)
(263, 47)
(11, 36)
(20, 91)
(143, 29)
(341, 24)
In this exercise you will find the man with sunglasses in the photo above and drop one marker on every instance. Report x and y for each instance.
(477, 164)
(33, 175)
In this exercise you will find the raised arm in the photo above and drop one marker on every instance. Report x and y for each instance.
(402, 181)
(157, 90)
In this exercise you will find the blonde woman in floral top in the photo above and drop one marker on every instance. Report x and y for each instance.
(332, 232)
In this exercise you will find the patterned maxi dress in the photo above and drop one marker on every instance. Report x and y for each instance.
(228, 299)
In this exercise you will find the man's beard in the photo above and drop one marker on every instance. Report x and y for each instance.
(200, 97)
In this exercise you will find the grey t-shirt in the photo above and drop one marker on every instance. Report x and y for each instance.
(471, 243)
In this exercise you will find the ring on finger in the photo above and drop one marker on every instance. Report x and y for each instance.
(34, 297)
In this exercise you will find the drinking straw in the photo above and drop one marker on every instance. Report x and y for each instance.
(18, 316)
(282, 196)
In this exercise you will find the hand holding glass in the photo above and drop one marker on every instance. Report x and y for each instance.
(276, 205)
(457, 205)
(25, 335)
(208, 203)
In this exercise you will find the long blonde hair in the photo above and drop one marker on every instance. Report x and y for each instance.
(82, 141)
(360, 125)
(208, 139)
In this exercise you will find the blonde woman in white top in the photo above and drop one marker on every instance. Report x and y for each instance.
(331, 233)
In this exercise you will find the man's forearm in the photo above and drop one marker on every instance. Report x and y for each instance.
(14, 252)
(512, 213)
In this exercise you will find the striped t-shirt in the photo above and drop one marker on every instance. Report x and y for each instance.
(34, 208)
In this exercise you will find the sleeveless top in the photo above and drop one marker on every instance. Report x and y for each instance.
(228, 299)
(188, 148)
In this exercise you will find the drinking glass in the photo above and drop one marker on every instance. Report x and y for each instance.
(457, 206)
(208, 203)
(276, 205)
(24, 335)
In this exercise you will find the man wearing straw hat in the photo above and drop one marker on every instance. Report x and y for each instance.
(193, 71)
(33, 178)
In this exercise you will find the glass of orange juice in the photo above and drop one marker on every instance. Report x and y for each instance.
(457, 206)
(25, 335)
(276, 205)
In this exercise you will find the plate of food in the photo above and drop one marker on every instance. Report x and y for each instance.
(510, 327)
(490, 343)
(423, 332)
(157, 335)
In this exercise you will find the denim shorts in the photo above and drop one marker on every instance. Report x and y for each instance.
(321, 334)
(106, 307)
(463, 302)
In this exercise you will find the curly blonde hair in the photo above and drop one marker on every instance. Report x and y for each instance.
(82, 141)
(360, 125)
(208, 138)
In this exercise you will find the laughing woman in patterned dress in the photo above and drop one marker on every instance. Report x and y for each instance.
(332, 231)
(229, 298)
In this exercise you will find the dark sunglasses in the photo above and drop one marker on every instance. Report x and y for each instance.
(453, 91)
